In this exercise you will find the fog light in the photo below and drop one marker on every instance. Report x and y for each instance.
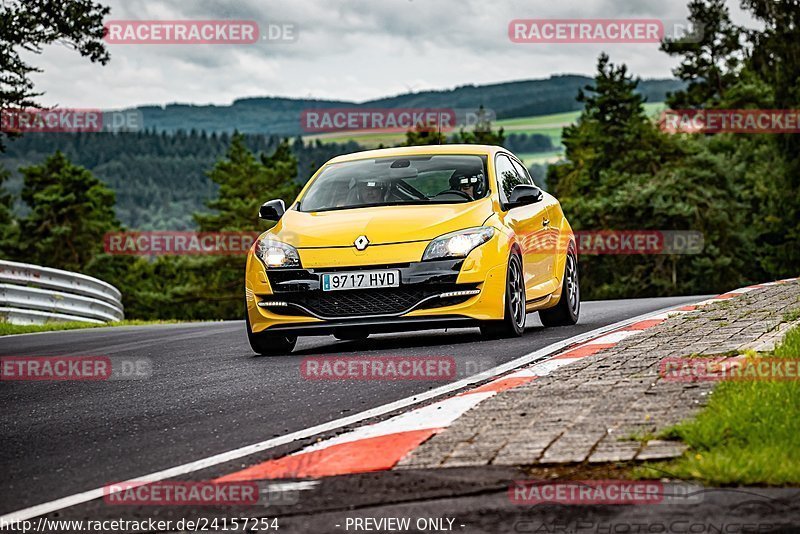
(272, 303)
(463, 293)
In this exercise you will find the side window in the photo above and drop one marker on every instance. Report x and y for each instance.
(507, 177)
(522, 171)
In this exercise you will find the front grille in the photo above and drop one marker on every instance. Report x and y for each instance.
(360, 302)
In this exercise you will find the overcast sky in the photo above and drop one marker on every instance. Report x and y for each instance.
(346, 49)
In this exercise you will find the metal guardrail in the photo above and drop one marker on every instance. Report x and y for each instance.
(31, 294)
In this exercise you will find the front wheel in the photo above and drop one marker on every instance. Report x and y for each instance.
(265, 344)
(566, 312)
(513, 322)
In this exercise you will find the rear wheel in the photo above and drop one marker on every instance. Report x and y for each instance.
(513, 322)
(265, 344)
(568, 309)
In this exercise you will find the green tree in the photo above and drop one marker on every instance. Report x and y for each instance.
(422, 135)
(70, 212)
(711, 61)
(776, 59)
(28, 26)
(623, 173)
(733, 68)
(245, 183)
(9, 229)
(482, 133)
(613, 132)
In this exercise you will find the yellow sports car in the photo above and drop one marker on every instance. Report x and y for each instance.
(411, 238)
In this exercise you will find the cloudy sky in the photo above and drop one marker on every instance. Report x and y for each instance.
(346, 49)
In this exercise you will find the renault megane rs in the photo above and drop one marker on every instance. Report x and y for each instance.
(411, 238)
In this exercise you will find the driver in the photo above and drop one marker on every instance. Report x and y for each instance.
(372, 191)
(471, 184)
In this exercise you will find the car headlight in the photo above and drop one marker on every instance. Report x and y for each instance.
(457, 244)
(275, 254)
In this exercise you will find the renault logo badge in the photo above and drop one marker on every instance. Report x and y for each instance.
(361, 243)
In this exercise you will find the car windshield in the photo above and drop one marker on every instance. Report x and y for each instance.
(392, 181)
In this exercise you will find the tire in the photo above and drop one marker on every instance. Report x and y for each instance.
(269, 344)
(351, 334)
(566, 312)
(513, 322)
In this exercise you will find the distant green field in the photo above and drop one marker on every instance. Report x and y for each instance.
(550, 125)
(541, 157)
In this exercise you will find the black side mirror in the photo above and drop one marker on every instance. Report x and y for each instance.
(272, 210)
(524, 194)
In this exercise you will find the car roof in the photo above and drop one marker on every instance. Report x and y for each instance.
(432, 150)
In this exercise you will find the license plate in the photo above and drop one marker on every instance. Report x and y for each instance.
(360, 280)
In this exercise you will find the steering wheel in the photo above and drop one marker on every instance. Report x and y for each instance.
(455, 192)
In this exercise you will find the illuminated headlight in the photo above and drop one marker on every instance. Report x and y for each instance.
(457, 244)
(275, 254)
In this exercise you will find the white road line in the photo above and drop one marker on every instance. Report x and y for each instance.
(613, 337)
(292, 486)
(522, 373)
(547, 367)
(437, 415)
(204, 463)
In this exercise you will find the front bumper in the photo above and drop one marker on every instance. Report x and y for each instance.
(433, 294)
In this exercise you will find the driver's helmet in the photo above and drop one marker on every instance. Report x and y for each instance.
(461, 180)
(372, 190)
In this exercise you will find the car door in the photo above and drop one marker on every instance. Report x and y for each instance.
(529, 223)
(547, 249)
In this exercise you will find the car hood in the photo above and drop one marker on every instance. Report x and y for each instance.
(381, 225)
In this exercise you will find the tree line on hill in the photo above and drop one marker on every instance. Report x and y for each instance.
(281, 116)
(160, 179)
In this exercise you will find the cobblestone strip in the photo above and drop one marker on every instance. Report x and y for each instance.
(587, 411)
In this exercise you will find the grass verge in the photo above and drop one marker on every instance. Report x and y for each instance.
(749, 433)
(7, 329)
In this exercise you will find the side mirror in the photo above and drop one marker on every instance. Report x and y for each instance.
(524, 194)
(272, 210)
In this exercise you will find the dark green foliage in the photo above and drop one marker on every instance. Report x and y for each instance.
(9, 228)
(734, 68)
(741, 190)
(207, 287)
(30, 25)
(424, 136)
(70, 212)
(160, 180)
(710, 65)
(244, 183)
(528, 143)
(482, 133)
(622, 173)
